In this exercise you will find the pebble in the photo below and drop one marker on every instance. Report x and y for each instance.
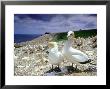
(31, 59)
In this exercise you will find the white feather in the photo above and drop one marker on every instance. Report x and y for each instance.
(55, 57)
(72, 54)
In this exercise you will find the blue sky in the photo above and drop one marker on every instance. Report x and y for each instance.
(41, 23)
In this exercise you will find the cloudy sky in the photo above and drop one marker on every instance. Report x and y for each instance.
(41, 23)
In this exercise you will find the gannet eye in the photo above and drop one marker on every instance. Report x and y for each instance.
(71, 34)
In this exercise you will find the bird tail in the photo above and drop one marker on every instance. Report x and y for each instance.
(88, 61)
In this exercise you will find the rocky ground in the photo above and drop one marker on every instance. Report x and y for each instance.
(31, 59)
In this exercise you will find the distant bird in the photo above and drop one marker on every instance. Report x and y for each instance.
(74, 55)
(55, 56)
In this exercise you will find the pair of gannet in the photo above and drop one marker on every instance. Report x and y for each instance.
(73, 55)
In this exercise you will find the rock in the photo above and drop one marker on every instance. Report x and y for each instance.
(94, 39)
(31, 59)
(94, 45)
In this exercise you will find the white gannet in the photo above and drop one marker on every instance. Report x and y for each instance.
(74, 55)
(55, 57)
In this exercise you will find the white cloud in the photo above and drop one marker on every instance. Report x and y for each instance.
(59, 23)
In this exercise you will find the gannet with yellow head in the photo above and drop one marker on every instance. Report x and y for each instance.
(55, 56)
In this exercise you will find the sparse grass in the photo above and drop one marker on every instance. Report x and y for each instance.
(60, 37)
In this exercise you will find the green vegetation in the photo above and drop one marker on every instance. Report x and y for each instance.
(85, 33)
(81, 33)
(60, 36)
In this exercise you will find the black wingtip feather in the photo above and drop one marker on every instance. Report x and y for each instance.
(88, 61)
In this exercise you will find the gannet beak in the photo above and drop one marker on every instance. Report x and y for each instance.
(71, 36)
(68, 35)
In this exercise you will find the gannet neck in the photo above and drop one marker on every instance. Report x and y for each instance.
(68, 44)
(54, 49)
